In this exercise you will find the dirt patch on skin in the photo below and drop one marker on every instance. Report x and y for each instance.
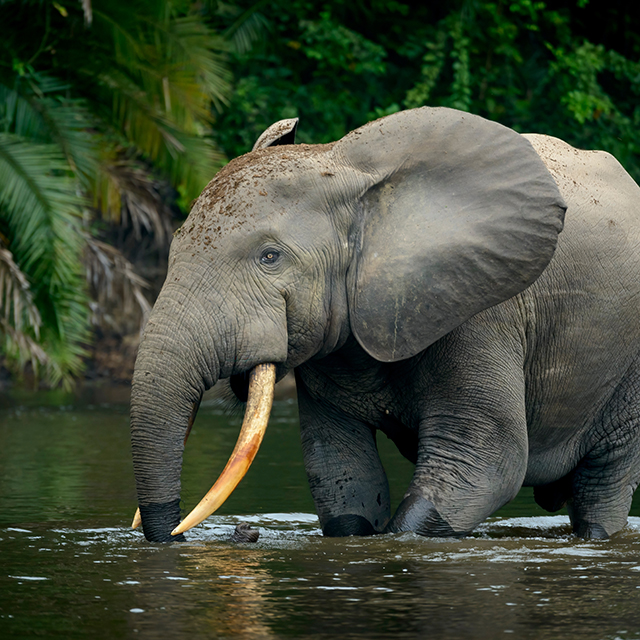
(227, 202)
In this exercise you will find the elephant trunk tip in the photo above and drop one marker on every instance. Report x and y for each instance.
(158, 519)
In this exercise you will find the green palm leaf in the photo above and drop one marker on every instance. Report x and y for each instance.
(248, 26)
(106, 112)
(41, 210)
(168, 72)
(34, 109)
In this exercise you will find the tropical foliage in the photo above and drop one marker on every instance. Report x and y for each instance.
(116, 114)
(564, 67)
(105, 108)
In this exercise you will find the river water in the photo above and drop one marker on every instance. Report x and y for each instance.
(70, 567)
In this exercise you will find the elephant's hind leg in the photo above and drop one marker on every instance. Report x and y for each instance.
(605, 480)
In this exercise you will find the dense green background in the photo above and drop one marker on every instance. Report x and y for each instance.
(116, 114)
(565, 68)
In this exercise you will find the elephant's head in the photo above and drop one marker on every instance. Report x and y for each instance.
(396, 234)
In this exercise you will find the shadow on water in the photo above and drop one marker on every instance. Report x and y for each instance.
(72, 568)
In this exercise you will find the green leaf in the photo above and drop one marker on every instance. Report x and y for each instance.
(41, 209)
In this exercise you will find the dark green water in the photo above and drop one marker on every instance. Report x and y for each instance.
(71, 568)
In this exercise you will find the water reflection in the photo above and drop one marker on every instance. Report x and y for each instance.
(294, 583)
(70, 567)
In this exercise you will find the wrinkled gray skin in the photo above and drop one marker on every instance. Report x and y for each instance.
(409, 274)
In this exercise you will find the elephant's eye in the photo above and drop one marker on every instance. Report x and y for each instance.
(269, 256)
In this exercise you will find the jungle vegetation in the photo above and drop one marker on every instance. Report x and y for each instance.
(116, 114)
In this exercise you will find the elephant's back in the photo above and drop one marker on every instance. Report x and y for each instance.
(583, 313)
(599, 193)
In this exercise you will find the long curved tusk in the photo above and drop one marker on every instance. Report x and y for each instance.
(137, 518)
(262, 380)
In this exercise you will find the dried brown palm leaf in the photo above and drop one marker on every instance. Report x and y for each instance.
(131, 198)
(22, 347)
(16, 299)
(19, 316)
(117, 290)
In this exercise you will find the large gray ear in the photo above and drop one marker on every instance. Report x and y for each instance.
(281, 132)
(460, 215)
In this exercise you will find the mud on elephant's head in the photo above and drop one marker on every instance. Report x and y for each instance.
(395, 234)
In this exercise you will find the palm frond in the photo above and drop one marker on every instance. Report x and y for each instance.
(174, 50)
(167, 73)
(41, 209)
(73, 128)
(21, 348)
(16, 299)
(117, 289)
(248, 27)
(130, 197)
(123, 124)
(185, 156)
(34, 110)
(139, 118)
(194, 50)
(20, 319)
(19, 115)
(40, 203)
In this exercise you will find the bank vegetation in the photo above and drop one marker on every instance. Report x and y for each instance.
(116, 114)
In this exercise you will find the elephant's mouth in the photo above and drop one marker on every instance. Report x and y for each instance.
(239, 382)
(240, 385)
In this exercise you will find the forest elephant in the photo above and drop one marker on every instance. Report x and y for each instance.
(417, 278)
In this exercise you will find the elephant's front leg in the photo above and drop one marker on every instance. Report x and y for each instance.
(473, 445)
(456, 483)
(347, 481)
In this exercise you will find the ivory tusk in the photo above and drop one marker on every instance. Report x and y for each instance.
(261, 384)
(137, 518)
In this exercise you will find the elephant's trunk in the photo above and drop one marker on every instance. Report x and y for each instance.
(173, 368)
(256, 418)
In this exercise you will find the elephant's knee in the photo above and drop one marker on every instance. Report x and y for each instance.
(348, 525)
(419, 515)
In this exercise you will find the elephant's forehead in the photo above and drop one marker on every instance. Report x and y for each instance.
(254, 186)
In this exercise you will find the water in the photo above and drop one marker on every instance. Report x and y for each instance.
(71, 568)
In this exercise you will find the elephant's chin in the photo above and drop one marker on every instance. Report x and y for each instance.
(240, 385)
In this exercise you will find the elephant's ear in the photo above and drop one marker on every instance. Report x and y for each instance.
(460, 214)
(281, 132)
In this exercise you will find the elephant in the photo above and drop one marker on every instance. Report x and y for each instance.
(470, 292)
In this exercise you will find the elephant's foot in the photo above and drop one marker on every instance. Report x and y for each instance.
(594, 520)
(348, 525)
(420, 515)
(590, 531)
